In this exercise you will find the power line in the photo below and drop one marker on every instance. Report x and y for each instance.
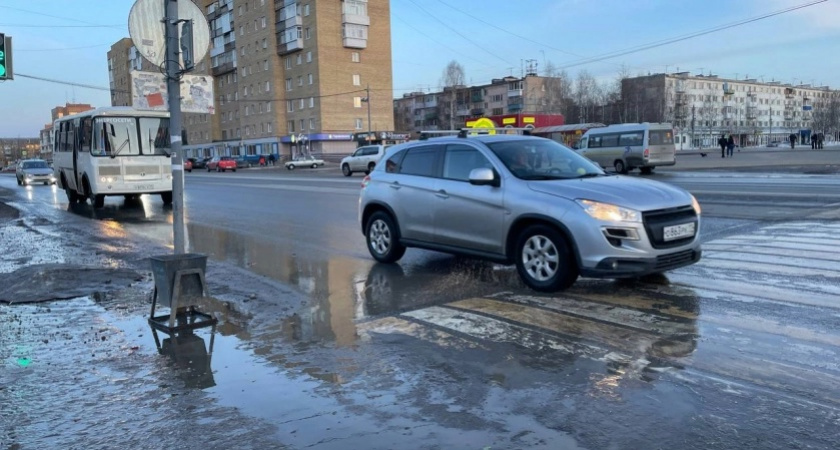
(55, 26)
(435, 41)
(458, 32)
(59, 17)
(57, 49)
(667, 41)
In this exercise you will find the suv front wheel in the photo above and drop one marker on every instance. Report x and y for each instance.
(383, 240)
(544, 260)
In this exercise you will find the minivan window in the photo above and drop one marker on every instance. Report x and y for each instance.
(660, 137)
(631, 139)
(420, 161)
(609, 140)
(460, 160)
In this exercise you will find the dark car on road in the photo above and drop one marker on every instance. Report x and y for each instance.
(199, 163)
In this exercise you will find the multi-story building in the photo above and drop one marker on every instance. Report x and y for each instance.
(45, 138)
(14, 149)
(298, 75)
(702, 107)
(509, 101)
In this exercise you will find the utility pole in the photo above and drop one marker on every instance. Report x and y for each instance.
(367, 100)
(692, 126)
(770, 137)
(173, 86)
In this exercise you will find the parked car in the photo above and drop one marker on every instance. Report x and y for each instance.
(200, 163)
(364, 159)
(30, 171)
(188, 165)
(304, 161)
(242, 162)
(527, 201)
(221, 164)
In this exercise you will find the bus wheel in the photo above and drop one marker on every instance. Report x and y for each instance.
(72, 196)
(166, 197)
(98, 201)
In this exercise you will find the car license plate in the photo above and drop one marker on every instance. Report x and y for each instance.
(678, 231)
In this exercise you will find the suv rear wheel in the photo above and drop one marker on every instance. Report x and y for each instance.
(345, 169)
(383, 240)
(544, 260)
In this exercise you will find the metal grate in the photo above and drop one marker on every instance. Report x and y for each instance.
(672, 260)
(109, 170)
(142, 170)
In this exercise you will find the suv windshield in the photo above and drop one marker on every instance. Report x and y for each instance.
(543, 159)
(35, 165)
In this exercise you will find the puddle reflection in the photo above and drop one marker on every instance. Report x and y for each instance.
(190, 356)
(139, 209)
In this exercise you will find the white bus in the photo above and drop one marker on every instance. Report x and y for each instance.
(630, 145)
(113, 151)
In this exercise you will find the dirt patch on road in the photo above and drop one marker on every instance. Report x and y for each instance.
(8, 213)
(44, 282)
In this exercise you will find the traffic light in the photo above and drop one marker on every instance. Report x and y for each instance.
(5, 57)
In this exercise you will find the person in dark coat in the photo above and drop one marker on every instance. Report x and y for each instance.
(730, 145)
(792, 138)
(722, 144)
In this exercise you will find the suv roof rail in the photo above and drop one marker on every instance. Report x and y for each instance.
(478, 131)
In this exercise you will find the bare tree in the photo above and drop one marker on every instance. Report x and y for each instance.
(707, 113)
(586, 95)
(558, 91)
(452, 80)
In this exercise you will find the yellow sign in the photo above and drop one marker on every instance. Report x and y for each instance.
(483, 123)
(528, 119)
(508, 120)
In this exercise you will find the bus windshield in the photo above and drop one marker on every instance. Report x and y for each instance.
(154, 132)
(115, 136)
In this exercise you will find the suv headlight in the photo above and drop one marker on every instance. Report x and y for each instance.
(608, 212)
(695, 204)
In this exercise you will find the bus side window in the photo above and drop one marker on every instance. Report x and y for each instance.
(86, 132)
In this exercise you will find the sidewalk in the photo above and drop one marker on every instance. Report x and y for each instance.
(757, 157)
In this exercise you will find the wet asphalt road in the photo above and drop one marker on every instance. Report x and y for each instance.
(328, 350)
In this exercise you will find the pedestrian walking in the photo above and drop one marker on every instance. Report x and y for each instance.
(792, 139)
(722, 144)
(813, 141)
(262, 160)
(820, 139)
(271, 159)
(730, 145)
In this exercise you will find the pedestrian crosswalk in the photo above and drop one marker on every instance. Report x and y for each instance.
(760, 310)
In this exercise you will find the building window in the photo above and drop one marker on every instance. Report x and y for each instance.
(290, 106)
(357, 80)
(299, 59)
(300, 80)
(302, 124)
(265, 43)
(291, 126)
(357, 102)
(268, 127)
(306, 9)
(311, 124)
(355, 7)
(241, 31)
(358, 124)
(240, 9)
(268, 86)
(302, 103)
(355, 57)
(307, 33)
(311, 80)
(268, 107)
(288, 84)
(265, 65)
(311, 102)
(288, 63)
(309, 57)
(264, 22)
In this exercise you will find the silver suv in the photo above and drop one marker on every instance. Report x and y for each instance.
(526, 201)
(364, 159)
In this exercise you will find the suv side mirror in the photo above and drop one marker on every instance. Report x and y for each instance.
(484, 177)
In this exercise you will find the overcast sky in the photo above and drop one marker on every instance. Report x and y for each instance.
(68, 40)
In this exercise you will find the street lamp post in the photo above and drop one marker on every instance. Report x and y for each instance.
(367, 100)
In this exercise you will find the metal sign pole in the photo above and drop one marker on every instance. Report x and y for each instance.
(173, 86)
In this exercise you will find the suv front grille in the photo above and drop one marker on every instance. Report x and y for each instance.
(654, 221)
(673, 260)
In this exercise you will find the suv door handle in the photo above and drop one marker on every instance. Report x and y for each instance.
(395, 185)
(442, 194)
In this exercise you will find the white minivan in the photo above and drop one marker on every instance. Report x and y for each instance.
(627, 146)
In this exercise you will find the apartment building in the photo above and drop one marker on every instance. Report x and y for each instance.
(509, 101)
(702, 107)
(124, 58)
(45, 136)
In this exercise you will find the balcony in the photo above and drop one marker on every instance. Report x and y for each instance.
(514, 107)
(222, 69)
(681, 99)
(289, 47)
(681, 113)
(752, 113)
(430, 116)
(477, 111)
(462, 112)
(350, 42)
(514, 93)
(789, 92)
(355, 19)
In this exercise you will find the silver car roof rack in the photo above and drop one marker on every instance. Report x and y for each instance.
(467, 132)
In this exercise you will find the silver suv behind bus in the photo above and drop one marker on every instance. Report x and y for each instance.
(526, 201)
